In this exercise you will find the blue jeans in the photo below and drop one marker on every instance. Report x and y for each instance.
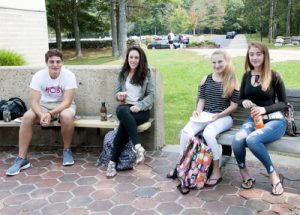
(254, 139)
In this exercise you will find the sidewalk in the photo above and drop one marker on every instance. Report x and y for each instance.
(238, 47)
(49, 188)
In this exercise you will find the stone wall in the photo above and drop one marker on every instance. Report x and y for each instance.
(95, 84)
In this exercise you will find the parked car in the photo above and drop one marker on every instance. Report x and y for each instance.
(230, 35)
(295, 40)
(161, 44)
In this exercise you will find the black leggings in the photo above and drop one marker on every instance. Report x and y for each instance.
(127, 128)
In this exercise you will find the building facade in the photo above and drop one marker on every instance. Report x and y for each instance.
(23, 29)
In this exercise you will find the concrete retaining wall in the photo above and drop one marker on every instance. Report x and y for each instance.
(95, 84)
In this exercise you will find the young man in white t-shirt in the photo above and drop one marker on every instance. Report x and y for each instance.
(52, 93)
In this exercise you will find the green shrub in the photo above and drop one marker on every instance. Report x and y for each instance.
(11, 58)
(203, 43)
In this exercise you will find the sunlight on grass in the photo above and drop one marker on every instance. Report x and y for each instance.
(90, 61)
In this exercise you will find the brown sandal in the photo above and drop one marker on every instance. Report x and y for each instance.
(248, 184)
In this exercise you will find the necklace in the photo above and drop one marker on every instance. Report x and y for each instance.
(256, 80)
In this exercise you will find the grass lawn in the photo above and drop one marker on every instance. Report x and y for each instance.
(182, 71)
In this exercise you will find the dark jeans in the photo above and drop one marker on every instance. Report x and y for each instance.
(127, 128)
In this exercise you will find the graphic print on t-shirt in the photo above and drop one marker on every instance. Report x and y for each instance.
(52, 90)
(58, 90)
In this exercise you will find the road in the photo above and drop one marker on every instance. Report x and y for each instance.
(238, 47)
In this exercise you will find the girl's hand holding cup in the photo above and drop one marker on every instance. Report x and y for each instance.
(122, 97)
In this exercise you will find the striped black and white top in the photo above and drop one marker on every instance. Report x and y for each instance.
(212, 92)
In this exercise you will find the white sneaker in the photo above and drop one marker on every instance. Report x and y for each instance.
(139, 152)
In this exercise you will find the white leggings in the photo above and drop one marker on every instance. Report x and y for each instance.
(210, 131)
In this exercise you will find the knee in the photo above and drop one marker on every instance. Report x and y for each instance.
(66, 117)
(29, 118)
(239, 139)
(209, 133)
(122, 110)
(241, 135)
(186, 134)
(251, 141)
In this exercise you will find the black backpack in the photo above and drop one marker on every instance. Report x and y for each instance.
(15, 105)
(288, 113)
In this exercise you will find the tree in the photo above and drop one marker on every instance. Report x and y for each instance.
(215, 15)
(122, 32)
(76, 28)
(192, 18)
(179, 22)
(54, 14)
(288, 19)
(271, 21)
(233, 18)
(114, 33)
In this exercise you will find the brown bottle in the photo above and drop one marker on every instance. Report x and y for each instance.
(103, 112)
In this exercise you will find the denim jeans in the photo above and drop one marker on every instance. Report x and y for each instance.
(255, 139)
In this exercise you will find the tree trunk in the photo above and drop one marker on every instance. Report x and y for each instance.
(57, 30)
(122, 29)
(76, 29)
(115, 49)
(271, 21)
(261, 21)
(288, 19)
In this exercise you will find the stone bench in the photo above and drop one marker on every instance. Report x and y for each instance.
(85, 122)
(286, 144)
(95, 85)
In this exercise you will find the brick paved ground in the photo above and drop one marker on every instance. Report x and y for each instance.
(49, 188)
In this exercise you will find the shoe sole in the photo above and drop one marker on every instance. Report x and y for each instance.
(68, 164)
(16, 173)
(212, 185)
(111, 176)
(140, 161)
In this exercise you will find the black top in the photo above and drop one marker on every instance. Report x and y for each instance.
(266, 98)
(212, 92)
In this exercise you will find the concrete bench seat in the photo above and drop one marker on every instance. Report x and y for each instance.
(87, 122)
(286, 144)
(96, 84)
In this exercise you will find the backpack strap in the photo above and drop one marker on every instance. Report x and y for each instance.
(19, 101)
(184, 190)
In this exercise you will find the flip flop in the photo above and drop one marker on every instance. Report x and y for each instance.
(274, 187)
(218, 180)
(248, 184)
(173, 174)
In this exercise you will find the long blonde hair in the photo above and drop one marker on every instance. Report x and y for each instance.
(266, 74)
(228, 76)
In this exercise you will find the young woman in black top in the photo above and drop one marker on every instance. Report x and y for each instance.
(259, 89)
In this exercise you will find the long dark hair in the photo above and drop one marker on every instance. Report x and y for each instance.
(141, 71)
